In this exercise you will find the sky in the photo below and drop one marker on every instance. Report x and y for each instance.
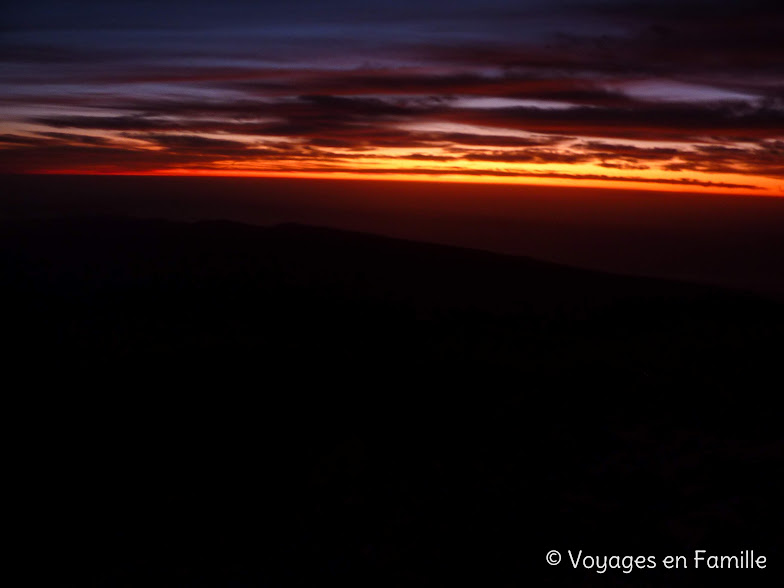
(683, 95)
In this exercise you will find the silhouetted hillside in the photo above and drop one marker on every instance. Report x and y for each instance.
(216, 404)
(167, 291)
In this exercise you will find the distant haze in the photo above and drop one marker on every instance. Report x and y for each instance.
(736, 241)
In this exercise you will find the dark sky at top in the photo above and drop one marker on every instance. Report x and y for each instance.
(661, 93)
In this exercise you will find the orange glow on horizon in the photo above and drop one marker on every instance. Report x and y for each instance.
(771, 190)
(557, 164)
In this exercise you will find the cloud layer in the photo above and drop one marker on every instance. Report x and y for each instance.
(665, 93)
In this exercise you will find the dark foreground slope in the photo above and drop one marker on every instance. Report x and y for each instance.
(214, 404)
